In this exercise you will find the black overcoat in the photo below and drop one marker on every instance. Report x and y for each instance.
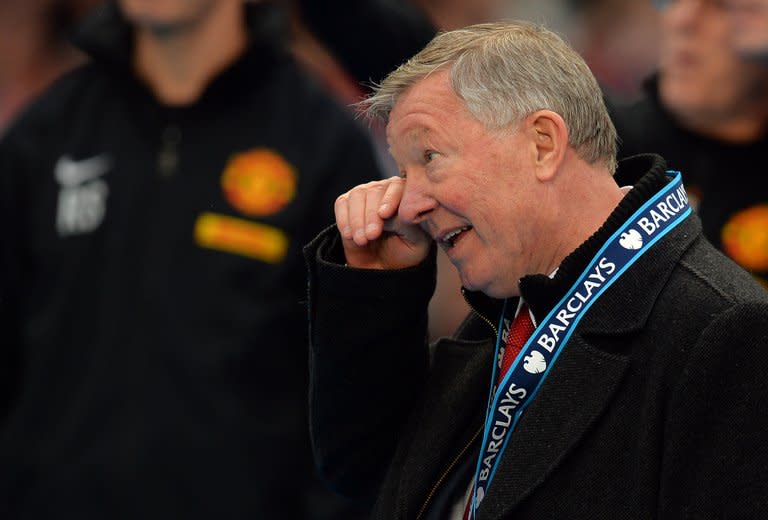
(653, 410)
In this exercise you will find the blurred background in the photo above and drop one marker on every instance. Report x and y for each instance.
(618, 38)
(347, 45)
(676, 79)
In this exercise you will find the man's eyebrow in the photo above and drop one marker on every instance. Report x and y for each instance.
(413, 133)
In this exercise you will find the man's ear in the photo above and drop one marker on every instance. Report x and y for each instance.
(549, 135)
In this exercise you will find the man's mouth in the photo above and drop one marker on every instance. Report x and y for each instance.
(448, 240)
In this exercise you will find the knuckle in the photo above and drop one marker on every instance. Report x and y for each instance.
(375, 185)
(341, 200)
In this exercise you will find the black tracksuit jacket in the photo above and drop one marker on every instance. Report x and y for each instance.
(152, 288)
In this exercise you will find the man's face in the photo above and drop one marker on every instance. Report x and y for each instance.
(749, 26)
(472, 190)
(166, 15)
(701, 75)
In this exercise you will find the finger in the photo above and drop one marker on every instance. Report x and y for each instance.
(341, 209)
(373, 222)
(390, 201)
(356, 210)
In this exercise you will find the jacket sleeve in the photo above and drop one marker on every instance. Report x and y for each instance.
(368, 358)
(11, 226)
(715, 462)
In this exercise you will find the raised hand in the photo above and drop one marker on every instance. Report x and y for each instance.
(373, 235)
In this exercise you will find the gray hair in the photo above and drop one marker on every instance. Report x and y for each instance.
(505, 71)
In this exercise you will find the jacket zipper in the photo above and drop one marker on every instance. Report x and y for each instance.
(474, 437)
(458, 457)
(446, 472)
(168, 156)
(482, 317)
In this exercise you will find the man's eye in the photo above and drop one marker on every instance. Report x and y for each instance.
(429, 155)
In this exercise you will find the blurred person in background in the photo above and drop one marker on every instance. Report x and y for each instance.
(154, 203)
(33, 48)
(370, 38)
(618, 40)
(706, 112)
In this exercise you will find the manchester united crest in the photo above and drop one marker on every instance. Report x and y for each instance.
(259, 182)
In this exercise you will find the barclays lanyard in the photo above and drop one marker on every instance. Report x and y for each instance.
(517, 389)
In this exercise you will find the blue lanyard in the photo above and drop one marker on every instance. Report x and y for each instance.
(506, 403)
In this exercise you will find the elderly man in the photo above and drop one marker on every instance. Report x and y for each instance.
(638, 391)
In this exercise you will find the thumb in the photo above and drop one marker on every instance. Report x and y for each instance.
(407, 232)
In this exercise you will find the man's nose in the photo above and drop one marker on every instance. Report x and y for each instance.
(416, 203)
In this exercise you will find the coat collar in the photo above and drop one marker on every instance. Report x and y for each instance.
(648, 173)
(627, 306)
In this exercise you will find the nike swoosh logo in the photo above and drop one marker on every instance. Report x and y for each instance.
(70, 173)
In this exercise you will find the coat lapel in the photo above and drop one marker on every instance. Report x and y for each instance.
(444, 423)
(573, 396)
